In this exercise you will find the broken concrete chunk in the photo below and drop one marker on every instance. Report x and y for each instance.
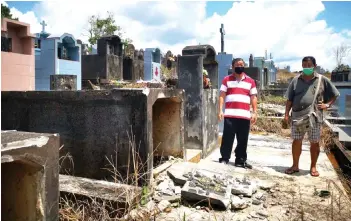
(176, 172)
(256, 202)
(245, 190)
(238, 204)
(262, 213)
(266, 185)
(177, 190)
(166, 187)
(163, 205)
(217, 196)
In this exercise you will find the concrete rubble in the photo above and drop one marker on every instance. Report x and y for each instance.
(203, 186)
(272, 108)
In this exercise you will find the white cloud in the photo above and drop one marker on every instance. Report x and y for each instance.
(288, 30)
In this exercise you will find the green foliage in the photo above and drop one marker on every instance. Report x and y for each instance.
(99, 27)
(6, 13)
(342, 68)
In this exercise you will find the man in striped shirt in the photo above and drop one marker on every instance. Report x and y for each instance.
(238, 91)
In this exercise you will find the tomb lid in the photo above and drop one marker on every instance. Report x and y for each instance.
(111, 38)
(206, 50)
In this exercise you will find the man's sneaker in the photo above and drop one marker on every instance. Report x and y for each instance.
(243, 165)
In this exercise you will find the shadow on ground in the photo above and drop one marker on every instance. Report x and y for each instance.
(282, 169)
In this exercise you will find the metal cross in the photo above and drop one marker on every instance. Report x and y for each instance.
(43, 24)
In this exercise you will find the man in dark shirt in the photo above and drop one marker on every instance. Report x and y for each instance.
(300, 96)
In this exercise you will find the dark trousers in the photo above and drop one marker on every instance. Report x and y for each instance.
(239, 128)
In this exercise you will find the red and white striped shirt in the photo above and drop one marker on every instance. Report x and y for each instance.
(238, 96)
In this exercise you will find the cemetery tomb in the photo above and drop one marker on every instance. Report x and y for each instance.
(128, 62)
(201, 105)
(99, 129)
(29, 172)
(107, 64)
(167, 127)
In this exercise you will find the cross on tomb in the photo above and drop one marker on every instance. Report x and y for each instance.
(222, 31)
(43, 24)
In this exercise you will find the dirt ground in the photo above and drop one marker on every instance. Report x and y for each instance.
(294, 197)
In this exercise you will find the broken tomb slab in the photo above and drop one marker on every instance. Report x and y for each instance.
(217, 196)
(176, 172)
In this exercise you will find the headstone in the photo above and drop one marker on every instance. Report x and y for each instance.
(152, 64)
(63, 82)
(110, 45)
(128, 62)
(107, 64)
(201, 105)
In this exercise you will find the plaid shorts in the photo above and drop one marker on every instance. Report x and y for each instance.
(314, 133)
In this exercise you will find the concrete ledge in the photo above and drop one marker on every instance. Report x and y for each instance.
(88, 189)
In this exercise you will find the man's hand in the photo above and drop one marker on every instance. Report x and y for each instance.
(254, 118)
(286, 118)
(323, 106)
(220, 116)
(285, 122)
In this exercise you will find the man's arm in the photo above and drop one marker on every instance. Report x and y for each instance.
(288, 106)
(253, 99)
(221, 101)
(254, 103)
(331, 93)
(290, 98)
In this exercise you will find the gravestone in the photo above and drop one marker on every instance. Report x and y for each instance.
(201, 105)
(63, 82)
(128, 60)
(139, 64)
(107, 64)
(152, 64)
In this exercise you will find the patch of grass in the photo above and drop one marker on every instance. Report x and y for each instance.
(272, 99)
(284, 76)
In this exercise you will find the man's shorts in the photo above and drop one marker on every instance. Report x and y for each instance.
(314, 133)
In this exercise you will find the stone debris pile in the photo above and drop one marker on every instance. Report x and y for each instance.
(199, 185)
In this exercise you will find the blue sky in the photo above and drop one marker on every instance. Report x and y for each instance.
(337, 14)
(287, 29)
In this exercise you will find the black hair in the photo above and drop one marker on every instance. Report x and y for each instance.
(309, 58)
(237, 60)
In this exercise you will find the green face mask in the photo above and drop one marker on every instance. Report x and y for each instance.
(308, 71)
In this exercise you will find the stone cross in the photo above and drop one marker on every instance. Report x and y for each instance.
(43, 24)
(222, 31)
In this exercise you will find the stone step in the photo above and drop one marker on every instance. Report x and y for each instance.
(88, 189)
(193, 155)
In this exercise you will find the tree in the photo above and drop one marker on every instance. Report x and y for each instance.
(99, 27)
(340, 52)
(6, 12)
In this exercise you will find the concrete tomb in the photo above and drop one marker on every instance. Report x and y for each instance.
(56, 55)
(133, 64)
(29, 176)
(17, 56)
(152, 64)
(107, 64)
(100, 128)
(201, 105)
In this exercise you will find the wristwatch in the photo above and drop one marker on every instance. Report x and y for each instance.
(327, 105)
